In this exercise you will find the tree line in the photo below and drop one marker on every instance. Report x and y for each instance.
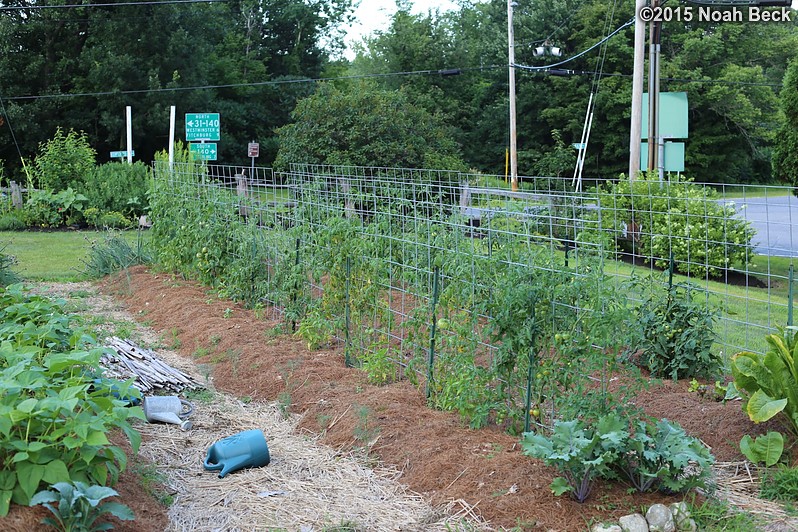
(253, 61)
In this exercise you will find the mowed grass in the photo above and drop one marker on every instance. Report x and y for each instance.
(52, 256)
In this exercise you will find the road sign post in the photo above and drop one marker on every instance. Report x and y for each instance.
(253, 149)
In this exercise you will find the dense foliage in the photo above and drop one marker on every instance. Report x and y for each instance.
(55, 409)
(251, 62)
(785, 151)
(364, 125)
(675, 220)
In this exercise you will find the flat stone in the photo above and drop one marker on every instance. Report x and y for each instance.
(601, 527)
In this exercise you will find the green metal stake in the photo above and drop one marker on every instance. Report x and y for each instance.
(567, 247)
(431, 361)
(347, 344)
(296, 285)
(789, 297)
(529, 377)
(670, 272)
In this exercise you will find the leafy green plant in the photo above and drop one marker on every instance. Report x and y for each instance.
(766, 448)
(378, 365)
(118, 187)
(770, 381)
(47, 209)
(79, 506)
(577, 452)
(657, 456)
(7, 262)
(677, 332)
(64, 161)
(55, 412)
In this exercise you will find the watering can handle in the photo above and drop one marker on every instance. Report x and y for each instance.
(188, 409)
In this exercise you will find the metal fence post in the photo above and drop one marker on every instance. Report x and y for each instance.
(433, 327)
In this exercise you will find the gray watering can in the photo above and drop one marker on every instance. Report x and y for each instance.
(167, 409)
(245, 449)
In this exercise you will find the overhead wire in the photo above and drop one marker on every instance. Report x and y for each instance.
(108, 4)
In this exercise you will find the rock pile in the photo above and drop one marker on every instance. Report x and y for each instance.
(658, 518)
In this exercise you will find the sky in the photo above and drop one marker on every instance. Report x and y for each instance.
(375, 15)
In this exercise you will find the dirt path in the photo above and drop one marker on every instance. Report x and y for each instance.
(307, 486)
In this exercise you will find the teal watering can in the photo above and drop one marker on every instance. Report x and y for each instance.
(245, 449)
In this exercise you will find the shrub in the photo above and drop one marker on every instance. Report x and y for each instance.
(677, 217)
(64, 161)
(118, 187)
(677, 332)
(770, 380)
(46, 209)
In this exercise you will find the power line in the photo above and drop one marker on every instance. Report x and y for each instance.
(112, 4)
(442, 72)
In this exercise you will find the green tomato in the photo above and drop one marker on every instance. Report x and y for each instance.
(443, 324)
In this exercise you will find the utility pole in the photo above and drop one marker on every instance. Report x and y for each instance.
(511, 58)
(637, 92)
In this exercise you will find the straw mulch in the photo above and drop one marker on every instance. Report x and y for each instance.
(738, 484)
(306, 486)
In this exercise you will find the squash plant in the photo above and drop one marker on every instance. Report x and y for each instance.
(770, 380)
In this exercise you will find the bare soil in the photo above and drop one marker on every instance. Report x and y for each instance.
(438, 456)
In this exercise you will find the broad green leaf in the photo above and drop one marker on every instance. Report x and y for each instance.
(28, 405)
(559, 486)
(29, 476)
(761, 407)
(97, 438)
(5, 502)
(767, 448)
(56, 471)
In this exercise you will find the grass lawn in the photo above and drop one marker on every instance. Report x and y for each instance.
(52, 256)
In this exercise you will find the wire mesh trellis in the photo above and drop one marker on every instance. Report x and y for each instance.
(401, 264)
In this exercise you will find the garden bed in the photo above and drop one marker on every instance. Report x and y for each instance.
(435, 454)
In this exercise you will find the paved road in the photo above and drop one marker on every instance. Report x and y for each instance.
(776, 222)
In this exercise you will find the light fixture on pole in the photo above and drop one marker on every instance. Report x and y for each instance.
(511, 59)
(547, 49)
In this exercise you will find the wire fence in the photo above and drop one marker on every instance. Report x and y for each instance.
(423, 273)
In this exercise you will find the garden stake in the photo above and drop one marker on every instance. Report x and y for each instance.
(530, 375)
(670, 272)
(567, 247)
(296, 286)
(789, 296)
(435, 281)
(347, 345)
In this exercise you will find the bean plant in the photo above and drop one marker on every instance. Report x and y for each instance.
(55, 410)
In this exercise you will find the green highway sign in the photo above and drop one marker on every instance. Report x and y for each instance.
(121, 154)
(202, 126)
(205, 151)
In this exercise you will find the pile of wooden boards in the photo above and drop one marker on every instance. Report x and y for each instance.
(151, 374)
